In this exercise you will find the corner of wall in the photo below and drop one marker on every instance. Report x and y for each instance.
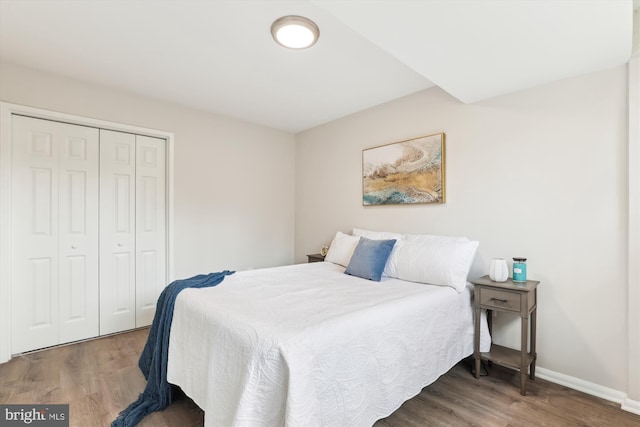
(633, 322)
(5, 234)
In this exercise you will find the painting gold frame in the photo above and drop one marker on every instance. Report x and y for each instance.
(405, 172)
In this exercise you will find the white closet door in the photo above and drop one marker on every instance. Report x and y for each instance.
(151, 246)
(117, 232)
(55, 276)
(78, 207)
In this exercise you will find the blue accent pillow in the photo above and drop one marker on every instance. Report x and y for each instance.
(369, 258)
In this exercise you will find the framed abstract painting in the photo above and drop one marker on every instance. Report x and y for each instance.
(405, 172)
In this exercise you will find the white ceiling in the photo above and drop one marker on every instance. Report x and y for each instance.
(219, 56)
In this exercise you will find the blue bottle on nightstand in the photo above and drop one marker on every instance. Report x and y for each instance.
(519, 269)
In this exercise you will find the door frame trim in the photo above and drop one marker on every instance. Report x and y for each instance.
(6, 111)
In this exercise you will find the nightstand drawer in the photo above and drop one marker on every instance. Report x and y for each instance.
(315, 258)
(499, 299)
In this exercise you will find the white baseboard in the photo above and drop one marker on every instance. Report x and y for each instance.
(593, 389)
(632, 406)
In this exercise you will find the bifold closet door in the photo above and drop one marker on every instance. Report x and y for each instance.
(117, 231)
(54, 233)
(151, 237)
(132, 229)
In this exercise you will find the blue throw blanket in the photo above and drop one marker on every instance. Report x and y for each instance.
(153, 362)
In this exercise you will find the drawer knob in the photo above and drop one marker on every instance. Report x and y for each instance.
(499, 300)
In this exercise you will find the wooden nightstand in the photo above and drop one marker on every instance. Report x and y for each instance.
(511, 297)
(315, 258)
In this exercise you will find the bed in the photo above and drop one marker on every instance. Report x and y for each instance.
(307, 345)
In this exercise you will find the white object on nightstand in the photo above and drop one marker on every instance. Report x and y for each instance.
(498, 270)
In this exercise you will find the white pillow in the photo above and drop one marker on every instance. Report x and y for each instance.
(341, 249)
(376, 235)
(436, 260)
(389, 268)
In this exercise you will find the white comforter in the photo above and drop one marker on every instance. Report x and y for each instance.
(307, 345)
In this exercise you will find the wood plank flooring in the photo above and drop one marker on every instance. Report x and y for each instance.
(99, 378)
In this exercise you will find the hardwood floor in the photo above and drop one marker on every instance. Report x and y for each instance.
(99, 378)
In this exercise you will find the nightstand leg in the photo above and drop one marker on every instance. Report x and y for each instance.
(524, 354)
(532, 371)
(476, 343)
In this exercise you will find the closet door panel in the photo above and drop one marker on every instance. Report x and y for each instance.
(78, 249)
(40, 221)
(35, 235)
(117, 232)
(150, 226)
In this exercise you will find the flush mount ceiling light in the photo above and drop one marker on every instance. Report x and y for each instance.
(295, 32)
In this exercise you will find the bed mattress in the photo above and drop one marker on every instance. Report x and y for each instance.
(306, 345)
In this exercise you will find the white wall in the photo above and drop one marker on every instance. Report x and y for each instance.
(234, 181)
(540, 173)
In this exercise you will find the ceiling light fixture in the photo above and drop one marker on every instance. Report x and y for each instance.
(295, 32)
